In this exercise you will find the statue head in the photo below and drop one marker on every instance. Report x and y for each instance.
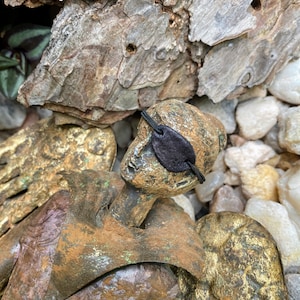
(142, 166)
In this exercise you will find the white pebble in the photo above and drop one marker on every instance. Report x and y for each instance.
(289, 193)
(247, 156)
(289, 130)
(271, 139)
(223, 110)
(232, 179)
(286, 84)
(256, 117)
(293, 285)
(225, 199)
(274, 217)
(219, 164)
(185, 203)
(206, 190)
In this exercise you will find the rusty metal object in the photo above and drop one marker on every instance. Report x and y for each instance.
(32, 159)
(142, 281)
(80, 241)
(97, 223)
(242, 261)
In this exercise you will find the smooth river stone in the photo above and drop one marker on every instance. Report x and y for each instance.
(206, 190)
(275, 218)
(223, 110)
(286, 84)
(256, 117)
(289, 193)
(226, 199)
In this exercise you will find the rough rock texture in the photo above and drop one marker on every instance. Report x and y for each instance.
(107, 59)
(247, 156)
(32, 159)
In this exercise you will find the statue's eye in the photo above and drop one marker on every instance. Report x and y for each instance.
(173, 151)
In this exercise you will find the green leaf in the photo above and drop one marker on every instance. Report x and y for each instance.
(6, 62)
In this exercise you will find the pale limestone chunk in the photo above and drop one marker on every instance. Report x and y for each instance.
(247, 156)
(289, 193)
(286, 84)
(185, 203)
(224, 111)
(225, 199)
(256, 117)
(275, 218)
(215, 21)
(260, 182)
(206, 190)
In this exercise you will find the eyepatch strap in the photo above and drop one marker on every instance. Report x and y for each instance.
(173, 151)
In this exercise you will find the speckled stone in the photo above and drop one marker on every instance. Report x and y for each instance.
(242, 260)
(247, 156)
(289, 130)
(205, 133)
(286, 84)
(256, 117)
(275, 218)
(225, 199)
(260, 182)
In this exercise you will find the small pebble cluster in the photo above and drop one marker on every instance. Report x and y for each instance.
(259, 172)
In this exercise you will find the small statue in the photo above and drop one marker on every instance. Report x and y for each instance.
(101, 223)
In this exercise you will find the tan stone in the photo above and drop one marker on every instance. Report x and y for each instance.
(260, 182)
(286, 160)
(32, 159)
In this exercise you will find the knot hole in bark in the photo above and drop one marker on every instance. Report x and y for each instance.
(131, 48)
(256, 4)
